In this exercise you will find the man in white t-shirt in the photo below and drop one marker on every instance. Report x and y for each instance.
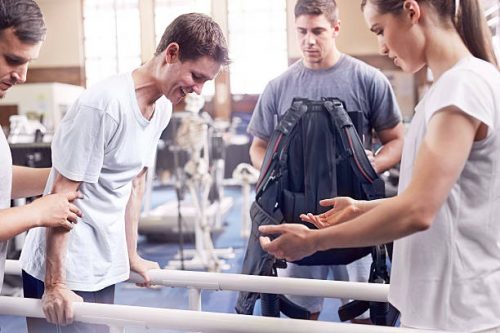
(103, 147)
(22, 31)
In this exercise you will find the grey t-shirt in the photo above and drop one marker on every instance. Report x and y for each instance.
(362, 88)
(5, 192)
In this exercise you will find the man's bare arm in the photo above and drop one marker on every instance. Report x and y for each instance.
(57, 299)
(258, 151)
(392, 147)
(132, 215)
(28, 182)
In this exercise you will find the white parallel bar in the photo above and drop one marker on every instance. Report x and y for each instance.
(184, 320)
(259, 284)
(268, 284)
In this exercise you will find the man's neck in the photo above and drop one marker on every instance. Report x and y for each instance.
(146, 90)
(328, 62)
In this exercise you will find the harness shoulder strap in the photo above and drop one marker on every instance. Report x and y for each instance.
(279, 139)
(350, 141)
(292, 116)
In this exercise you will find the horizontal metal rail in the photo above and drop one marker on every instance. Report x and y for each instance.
(185, 320)
(258, 284)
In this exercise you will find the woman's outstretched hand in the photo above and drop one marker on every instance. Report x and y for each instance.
(343, 209)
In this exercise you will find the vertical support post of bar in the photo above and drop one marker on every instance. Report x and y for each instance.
(245, 219)
(116, 329)
(194, 299)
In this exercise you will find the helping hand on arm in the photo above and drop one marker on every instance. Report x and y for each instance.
(55, 210)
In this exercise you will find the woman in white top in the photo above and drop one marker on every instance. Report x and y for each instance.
(445, 220)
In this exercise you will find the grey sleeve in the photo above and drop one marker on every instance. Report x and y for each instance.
(264, 115)
(384, 109)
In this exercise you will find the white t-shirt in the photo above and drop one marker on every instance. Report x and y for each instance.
(104, 142)
(5, 193)
(448, 277)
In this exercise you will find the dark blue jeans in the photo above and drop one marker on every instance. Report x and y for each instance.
(33, 288)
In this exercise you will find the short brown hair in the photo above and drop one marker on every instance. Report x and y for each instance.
(318, 7)
(197, 35)
(25, 17)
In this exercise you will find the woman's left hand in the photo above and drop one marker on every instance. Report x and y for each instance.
(294, 241)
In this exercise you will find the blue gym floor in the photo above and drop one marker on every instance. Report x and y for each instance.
(177, 298)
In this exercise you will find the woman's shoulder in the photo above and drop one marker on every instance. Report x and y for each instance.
(473, 85)
(472, 69)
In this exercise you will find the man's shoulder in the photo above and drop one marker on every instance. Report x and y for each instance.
(114, 85)
(106, 92)
(365, 75)
(292, 71)
(360, 67)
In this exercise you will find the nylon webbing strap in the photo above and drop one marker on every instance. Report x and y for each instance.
(350, 140)
(340, 120)
(292, 117)
(279, 140)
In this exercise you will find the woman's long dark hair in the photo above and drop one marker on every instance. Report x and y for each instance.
(469, 22)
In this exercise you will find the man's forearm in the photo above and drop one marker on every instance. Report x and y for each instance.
(133, 211)
(28, 182)
(57, 239)
(257, 157)
(392, 147)
(388, 156)
(258, 152)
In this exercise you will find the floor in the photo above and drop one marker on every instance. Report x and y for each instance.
(176, 298)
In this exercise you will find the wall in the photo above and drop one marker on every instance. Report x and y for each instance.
(61, 57)
(354, 38)
(64, 44)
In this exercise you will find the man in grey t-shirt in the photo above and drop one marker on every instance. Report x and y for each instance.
(324, 71)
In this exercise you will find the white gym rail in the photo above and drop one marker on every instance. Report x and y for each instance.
(253, 283)
(120, 316)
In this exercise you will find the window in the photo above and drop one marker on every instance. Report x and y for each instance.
(257, 43)
(492, 13)
(167, 10)
(111, 38)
